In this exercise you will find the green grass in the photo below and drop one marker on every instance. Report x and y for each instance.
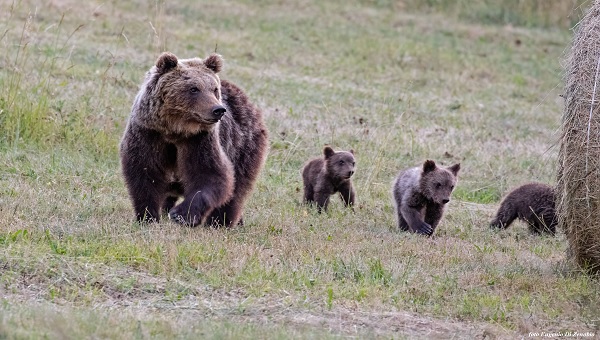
(545, 13)
(433, 80)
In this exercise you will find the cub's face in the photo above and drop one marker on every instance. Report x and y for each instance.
(190, 94)
(438, 183)
(340, 165)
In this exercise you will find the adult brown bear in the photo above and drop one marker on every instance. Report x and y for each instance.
(194, 136)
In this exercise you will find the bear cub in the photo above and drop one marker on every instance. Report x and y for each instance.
(325, 176)
(194, 136)
(420, 196)
(532, 203)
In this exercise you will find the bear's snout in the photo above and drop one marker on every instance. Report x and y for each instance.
(445, 200)
(218, 111)
(350, 173)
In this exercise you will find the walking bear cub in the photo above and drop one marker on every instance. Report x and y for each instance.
(324, 177)
(194, 136)
(420, 196)
(532, 203)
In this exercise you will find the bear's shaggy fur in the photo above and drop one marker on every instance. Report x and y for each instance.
(532, 203)
(194, 136)
(420, 196)
(325, 176)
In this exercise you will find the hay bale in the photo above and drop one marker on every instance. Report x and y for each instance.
(578, 187)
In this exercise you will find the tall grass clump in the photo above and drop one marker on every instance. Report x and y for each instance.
(578, 190)
(21, 115)
(38, 104)
(531, 13)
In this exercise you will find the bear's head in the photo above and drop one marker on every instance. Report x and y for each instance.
(340, 165)
(186, 93)
(437, 183)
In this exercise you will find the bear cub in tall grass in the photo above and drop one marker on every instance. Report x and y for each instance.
(420, 196)
(325, 176)
(532, 203)
(191, 135)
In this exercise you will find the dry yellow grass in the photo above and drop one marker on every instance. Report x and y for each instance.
(579, 167)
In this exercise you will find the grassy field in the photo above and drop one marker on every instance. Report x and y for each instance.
(399, 82)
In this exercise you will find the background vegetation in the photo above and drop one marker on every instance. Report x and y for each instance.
(475, 82)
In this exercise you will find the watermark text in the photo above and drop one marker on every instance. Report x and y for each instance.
(562, 334)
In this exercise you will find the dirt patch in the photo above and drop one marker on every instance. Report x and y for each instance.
(238, 307)
(148, 297)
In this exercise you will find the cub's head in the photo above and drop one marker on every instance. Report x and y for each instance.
(186, 93)
(437, 183)
(340, 165)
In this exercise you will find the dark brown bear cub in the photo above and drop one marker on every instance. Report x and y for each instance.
(194, 136)
(532, 203)
(420, 195)
(324, 177)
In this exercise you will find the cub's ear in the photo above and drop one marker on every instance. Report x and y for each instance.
(214, 62)
(351, 151)
(166, 62)
(328, 152)
(428, 166)
(454, 169)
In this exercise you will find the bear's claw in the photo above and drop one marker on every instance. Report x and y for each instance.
(425, 229)
(182, 220)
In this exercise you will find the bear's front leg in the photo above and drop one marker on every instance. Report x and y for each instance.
(309, 193)
(192, 210)
(433, 214)
(322, 199)
(505, 216)
(207, 178)
(347, 193)
(413, 218)
(206, 193)
(322, 192)
(402, 225)
(145, 180)
(146, 196)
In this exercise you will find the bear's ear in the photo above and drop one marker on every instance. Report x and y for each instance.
(328, 152)
(166, 62)
(214, 62)
(454, 169)
(428, 166)
(351, 151)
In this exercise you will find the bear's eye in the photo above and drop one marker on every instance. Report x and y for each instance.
(452, 187)
(341, 162)
(438, 185)
(216, 91)
(194, 90)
